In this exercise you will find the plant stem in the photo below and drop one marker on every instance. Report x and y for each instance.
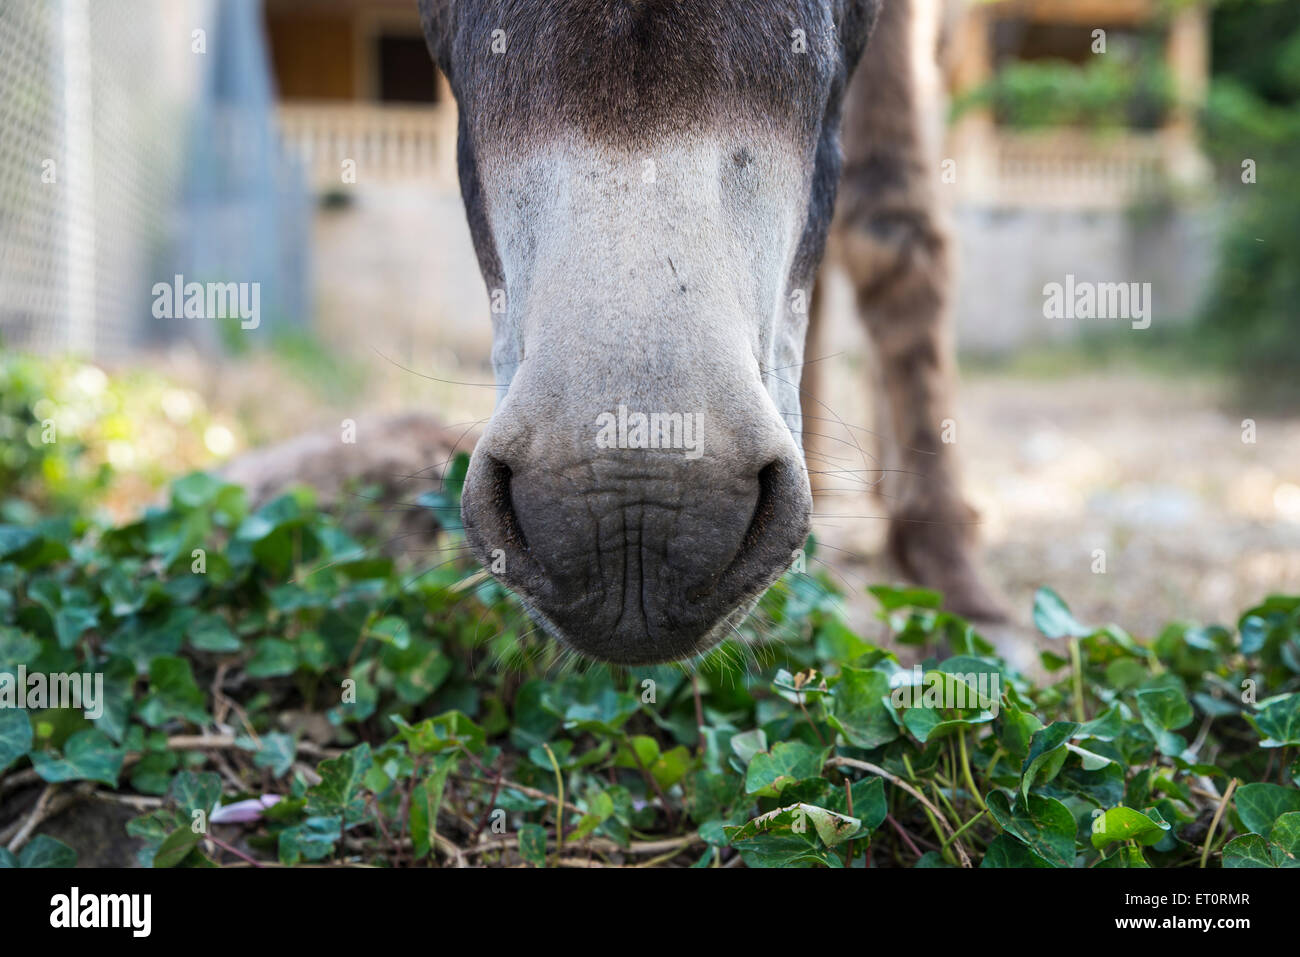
(961, 830)
(1214, 822)
(559, 809)
(965, 770)
(1076, 663)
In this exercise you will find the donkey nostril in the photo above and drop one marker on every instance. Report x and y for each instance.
(495, 493)
(765, 521)
(765, 508)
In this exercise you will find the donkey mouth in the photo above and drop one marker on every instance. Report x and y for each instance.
(634, 568)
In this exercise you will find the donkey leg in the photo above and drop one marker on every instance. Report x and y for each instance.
(890, 240)
(812, 388)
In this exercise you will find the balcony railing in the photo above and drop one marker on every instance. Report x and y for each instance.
(1070, 169)
(386, 143)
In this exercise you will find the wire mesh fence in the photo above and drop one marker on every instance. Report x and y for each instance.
(137, 144)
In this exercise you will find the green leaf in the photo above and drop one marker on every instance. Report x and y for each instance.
(276, 751)
(425, 801)
(1165, 708)
(192, 791)
(1278, 722)
(209, 632)
(1286, 837)
(532, 844)
(1007, 851)
(272, 658)
(789, 761)
(860, 708)
(1126, 824)
(311, 840)
(892, 599)
(1052, 616)
(173, 693)
(43, 851)
(339, 792)
(87, 756)
(446, 732)
(1251, 850)
(1260, 805)
(71, 622)
(1046, 753)
(1044, 824)
(606, 714)
(176, 846)
(15, 736)
(600, 807)
(195, 490)
(392, 631)
(747, 744)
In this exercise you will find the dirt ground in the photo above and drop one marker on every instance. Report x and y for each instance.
(1194, 523)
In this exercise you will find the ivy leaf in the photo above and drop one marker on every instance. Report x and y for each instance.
(392, 631)
(1260, 805)
(339, 792)
(789, 761)
(1046, 753)
(276, 751)
(1126, 824)
(311, 840)
(1043, 824)
(1052, 616)
(15, 736)
(44, 851)
(173, 693)
(860, 710)
(1165, 708)
(426, 798)
(272, 658)
(176, 846)
(87, 756)
(532, 844)
(195, 791)
(794, 836)
(1286, 837)
(209, 632)
(1007, 851)
(448, 731)
(1278, 722)
(71, 622)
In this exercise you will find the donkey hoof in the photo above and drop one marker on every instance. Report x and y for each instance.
(939, 556)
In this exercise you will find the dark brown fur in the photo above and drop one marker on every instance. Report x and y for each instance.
(888, 235)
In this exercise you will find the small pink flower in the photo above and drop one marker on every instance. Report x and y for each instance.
(242, 812)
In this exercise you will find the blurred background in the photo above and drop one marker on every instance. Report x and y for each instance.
(308, 146)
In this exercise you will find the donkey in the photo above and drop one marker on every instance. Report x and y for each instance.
(649, 186)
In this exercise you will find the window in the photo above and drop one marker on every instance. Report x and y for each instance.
(405, 72)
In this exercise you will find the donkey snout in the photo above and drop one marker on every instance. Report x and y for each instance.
(636, 555)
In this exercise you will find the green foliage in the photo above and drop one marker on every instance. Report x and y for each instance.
(1250, 320)
(405, 716)
(72, 437)
(1111, 92)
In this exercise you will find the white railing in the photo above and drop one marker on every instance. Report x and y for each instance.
(1067, 168)
(386, 143)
